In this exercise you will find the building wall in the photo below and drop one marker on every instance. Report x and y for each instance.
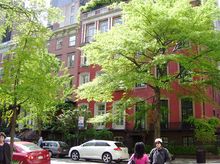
(128, 134)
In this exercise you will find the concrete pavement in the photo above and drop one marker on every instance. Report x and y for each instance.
(193, 161)
(176, 161)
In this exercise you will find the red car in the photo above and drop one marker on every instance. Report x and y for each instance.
(30, 153)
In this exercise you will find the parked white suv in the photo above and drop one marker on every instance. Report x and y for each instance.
(105, 150)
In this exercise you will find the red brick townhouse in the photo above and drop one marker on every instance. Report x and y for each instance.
(65, 42)
(173, 129)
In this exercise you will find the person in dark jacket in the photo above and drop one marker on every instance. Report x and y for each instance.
(159, 154)
(5, 152)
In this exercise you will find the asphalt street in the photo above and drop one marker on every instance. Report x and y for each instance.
(176, 161)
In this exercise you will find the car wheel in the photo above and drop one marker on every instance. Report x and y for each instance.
(75, 155)
(107, 158)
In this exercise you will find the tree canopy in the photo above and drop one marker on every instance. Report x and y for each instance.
(33, 81)
(153, 35)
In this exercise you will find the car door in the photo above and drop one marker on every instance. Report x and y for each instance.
(87, 149)
(100, 148)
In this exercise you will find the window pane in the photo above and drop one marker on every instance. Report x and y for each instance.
(187, 108)
(103, 26)
(72, 19)
(72, 40)
(59, 43)
(84, 78)
(140, 115)
(70, 60)
(116, 21)
(164, 113)
(90, 32)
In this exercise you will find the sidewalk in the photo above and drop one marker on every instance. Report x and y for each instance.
(193, 161)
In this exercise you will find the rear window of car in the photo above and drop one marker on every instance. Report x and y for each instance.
(28, 147)
(63, 144)
(119, 144)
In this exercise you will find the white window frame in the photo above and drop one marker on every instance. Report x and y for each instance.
(1, 72)
(59, 43)
(102, 25)
(72, 9)
(72, 19)
(70, 60)
(115, 125)
(90, 32)
(96, 113)
(114, 23)
(83, 60)
(72, 40)
(82, 76)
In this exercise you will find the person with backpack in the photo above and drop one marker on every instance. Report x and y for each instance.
(159, 154)
(139, 156)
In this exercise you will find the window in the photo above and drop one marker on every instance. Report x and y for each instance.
(72, 9)
(140, 115)
(99, 73)
(83, 61)
(59, 57)
(103, 26)
(187, 141)
(164, 113)
(59, 43)
(72, 40)
(71, 82)
(89, 144)
(100, 110)
(1, 73)
(84, 106)
(101, 144)
(119, 116)
(72, 20)
(70, 60)
(185, 75)
(90, 32)
(187, 110)
(161, 70)
(116, 20)
(84, 78)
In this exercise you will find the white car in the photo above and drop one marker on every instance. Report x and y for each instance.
(105, 150)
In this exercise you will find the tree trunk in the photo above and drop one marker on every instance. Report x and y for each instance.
(157, 115)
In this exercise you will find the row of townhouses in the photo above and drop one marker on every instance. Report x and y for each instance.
(71, 34)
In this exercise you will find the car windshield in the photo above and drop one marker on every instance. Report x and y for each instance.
(119, 144)
(28, 147)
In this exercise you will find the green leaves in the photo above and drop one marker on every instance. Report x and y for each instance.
(205, 129)
(31, 77)
(154, 34)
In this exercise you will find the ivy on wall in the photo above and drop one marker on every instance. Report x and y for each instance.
(95, 4)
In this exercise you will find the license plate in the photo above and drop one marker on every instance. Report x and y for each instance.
(40, 157)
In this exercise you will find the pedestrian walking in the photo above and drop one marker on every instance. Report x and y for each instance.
(40, 142)
(159, 154)
(139, 156)
(5, 152)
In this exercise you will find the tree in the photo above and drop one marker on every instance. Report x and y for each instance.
(153, 35)
(205, 129)
(32, 79)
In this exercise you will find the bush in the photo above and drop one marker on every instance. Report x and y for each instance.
(182, 150)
